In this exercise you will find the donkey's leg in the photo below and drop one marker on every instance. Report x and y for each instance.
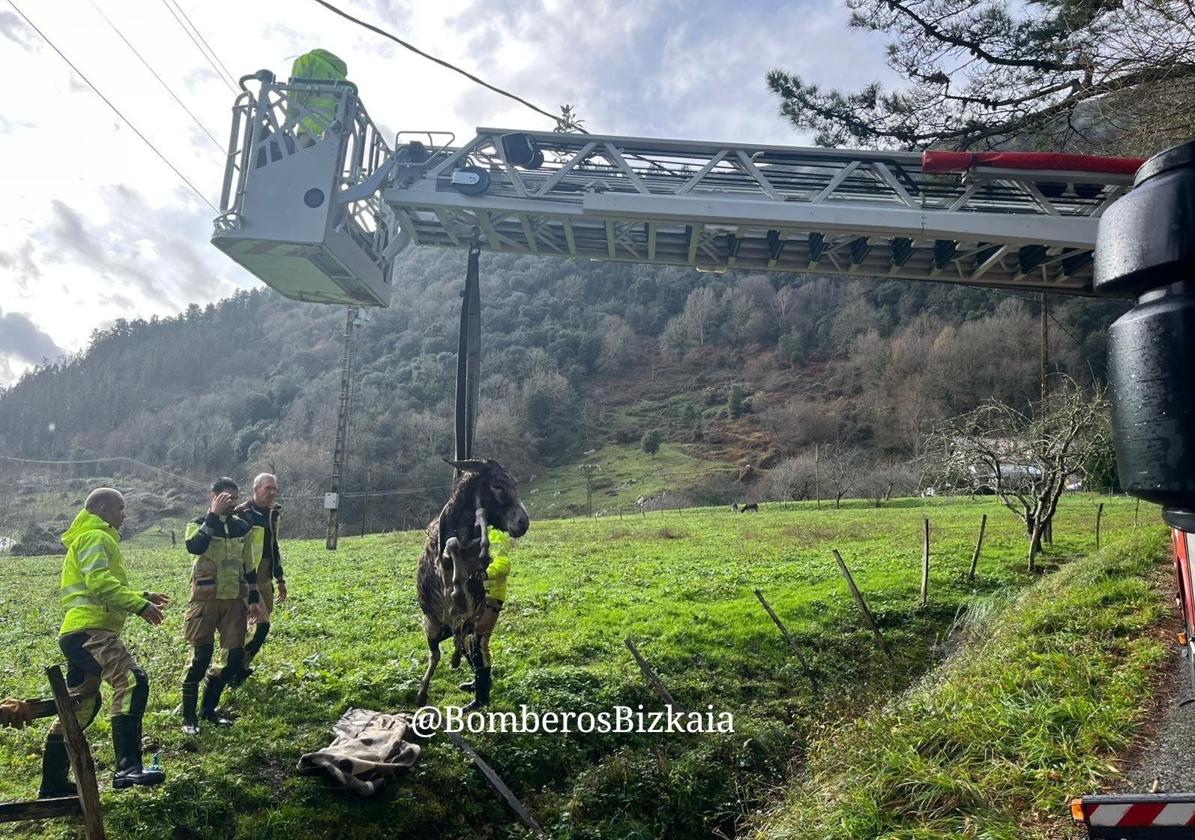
(460, 603)
(435, 635)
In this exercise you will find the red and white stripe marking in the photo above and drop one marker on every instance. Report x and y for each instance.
(1141, 814)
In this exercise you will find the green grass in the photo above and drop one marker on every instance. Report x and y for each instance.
(624, 473)
(1002, 736)
(679, 583)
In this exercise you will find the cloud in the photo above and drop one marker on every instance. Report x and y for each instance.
(20, 338)
(22, 264)
(17, 31)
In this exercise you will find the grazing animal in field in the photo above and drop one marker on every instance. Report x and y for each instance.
(734, 507)
(455, 555)
(750, 507)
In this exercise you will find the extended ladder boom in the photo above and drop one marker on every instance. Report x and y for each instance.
(321, 217)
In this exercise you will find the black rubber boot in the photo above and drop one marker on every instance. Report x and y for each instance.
(54, 767)
(481, 689)
(190, 701)
(211, 699)
(126, 739)
(259, 638)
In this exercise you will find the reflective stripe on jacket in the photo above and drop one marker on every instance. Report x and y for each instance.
(94, 588)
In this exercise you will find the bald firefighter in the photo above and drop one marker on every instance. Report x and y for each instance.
(495, 594)
(223, 597)
(263, 513)
(95, 591)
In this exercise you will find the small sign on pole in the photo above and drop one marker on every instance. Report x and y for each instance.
(331, 501)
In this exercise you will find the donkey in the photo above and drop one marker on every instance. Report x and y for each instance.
(452, 566)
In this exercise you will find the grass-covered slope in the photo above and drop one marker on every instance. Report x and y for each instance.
(994, 743)
(679, 583)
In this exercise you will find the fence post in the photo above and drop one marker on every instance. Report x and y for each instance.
(792, 643)
(497, 784)
(79, 755)
(858, 596)
(924, 602)
(656, 683)
(1099, 514)
(983, 523)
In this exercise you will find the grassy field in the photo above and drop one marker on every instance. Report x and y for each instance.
(995, 742)
(679, 583)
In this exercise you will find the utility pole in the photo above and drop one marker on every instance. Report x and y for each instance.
(817, 477)
(332, 497)
(1045, 351)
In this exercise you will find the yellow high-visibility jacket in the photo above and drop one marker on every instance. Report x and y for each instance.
(94, 587)
(319, 65)
(499, 568)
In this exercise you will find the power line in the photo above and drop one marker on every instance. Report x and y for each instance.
(115, 110)
(161, 81)
(104, 461)
(183, 12)
(207, 58)
(439, 61)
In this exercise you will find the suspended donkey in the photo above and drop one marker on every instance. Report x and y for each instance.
(451, 570)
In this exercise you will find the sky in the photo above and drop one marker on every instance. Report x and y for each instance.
(95, 226)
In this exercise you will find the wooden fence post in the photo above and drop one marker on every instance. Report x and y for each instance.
(792, 643)
(656, 683)
(924, 601)
(983, 523)
(497, 784)
(1099, 514)
(858, 596)
(80, 757)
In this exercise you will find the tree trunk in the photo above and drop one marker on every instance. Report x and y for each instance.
(1034, 546)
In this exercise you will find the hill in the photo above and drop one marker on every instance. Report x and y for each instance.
(735, 370)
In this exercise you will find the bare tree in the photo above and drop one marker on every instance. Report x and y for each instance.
(698, 309)
(841, 468)
(884, 479)
(1025, 459)
(792, 480)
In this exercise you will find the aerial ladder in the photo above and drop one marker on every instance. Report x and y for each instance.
(318, 205)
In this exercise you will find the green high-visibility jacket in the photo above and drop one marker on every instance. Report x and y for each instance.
(499, 568)
(94, 587)
(323, 66)
(224, 565)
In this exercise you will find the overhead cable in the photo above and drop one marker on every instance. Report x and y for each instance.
(209, 59)
(115, 110)
(195, 28)
(440, 61)
(161, 81)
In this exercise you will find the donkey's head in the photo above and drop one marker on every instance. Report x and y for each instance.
(498, 493)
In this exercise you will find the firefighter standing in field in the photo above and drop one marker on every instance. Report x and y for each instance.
(263, 513)
(495, 594)
(95, 591)
(223, 596)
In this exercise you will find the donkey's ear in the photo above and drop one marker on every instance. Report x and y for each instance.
(473, 465)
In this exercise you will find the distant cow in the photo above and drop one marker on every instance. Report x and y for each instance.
(455, 555)
(750, 507)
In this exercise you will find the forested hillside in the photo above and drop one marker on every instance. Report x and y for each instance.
(739, 368)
